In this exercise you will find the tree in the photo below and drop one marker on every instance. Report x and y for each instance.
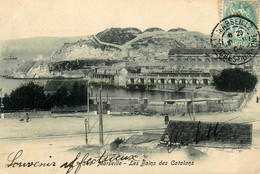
(7, 102)
(28, 95)
(60, 98)
(235, 80)
(78, 95)
(31, 96)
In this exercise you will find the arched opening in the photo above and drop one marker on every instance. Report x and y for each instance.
(128, 81)
(151, 81)
(131, 81)
(172, 81)
(182, 81)
(162, 81)
(140, 81)
(206, 81)
(195, 82)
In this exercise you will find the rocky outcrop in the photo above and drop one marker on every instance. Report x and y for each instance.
(117, 43)
(118, 35)
(177, 30)
(85, 49)
(153, 29)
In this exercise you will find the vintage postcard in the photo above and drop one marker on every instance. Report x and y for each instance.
(129, 86)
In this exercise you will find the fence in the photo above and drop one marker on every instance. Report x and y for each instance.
(221, 105)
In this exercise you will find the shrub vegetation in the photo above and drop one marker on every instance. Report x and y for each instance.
(235, 80)
(31, 96)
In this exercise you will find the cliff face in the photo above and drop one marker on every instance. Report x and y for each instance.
(88, 48)
(117, 43)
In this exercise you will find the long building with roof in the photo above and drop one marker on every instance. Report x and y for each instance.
(200, 60)
(183, 68)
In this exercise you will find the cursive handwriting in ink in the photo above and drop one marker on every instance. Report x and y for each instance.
(13, 161)
(73, 163)
(87, 161)
(199, 136)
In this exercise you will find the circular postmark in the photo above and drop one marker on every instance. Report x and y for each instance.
(235, 39)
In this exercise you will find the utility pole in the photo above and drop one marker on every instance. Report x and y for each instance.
(91, 91)
(1, 104)
(88, 97)
(193, 111)
(101, 139)
(87, 119)
(86, 131)
(1, 101)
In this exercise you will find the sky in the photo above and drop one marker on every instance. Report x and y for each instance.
(60, 18)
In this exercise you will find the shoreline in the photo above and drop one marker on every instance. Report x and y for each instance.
(43, 78)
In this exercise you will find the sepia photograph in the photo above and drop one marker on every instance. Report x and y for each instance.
(129, 86)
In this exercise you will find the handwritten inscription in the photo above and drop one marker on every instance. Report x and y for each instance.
(199, 136)
(13, 161)
(102, 160)
(81, 160)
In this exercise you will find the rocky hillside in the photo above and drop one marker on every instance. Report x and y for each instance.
(117, 43)
(176, 29)
(88, 48)
(118, 35)
(158, 44)
(153, 29)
